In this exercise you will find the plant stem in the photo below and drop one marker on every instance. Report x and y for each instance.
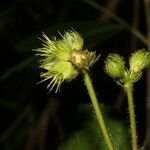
(129, 89)
(89, 86)
(122, 22)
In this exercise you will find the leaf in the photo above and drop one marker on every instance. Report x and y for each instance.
(17, 68)
(90, 137)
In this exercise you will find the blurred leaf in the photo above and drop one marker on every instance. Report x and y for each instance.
(93, 32)
(90, 137)
(17, 68)
(65, 8)
(4, 18)
(21, 135)
(9, 105)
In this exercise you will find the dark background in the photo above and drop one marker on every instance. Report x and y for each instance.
(31, 118)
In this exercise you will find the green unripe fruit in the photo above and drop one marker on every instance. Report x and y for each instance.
(139, 61)
(65, 70)
(114, 66)
(62, 60)
(74, 40)
(63, 51)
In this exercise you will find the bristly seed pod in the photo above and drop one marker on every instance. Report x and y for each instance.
(63, 59)
(114, 66)
(74, 40)
(139, 61)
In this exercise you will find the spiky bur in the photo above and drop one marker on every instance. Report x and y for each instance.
(63, 59)
(115, 67)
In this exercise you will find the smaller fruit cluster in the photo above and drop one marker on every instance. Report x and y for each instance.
(115, 67)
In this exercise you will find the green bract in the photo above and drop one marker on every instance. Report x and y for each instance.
(63, 59)
(114, 66)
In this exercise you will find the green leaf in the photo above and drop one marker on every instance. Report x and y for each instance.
(90, 137)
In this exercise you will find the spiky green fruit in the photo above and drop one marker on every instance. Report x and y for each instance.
(114, 66)
(139, 61)
(74, 40)
(63, 59)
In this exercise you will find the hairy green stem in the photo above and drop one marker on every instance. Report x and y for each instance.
(129, 89)
(122, 22)
(89, 86)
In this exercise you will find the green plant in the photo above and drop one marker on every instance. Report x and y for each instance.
(115, 67)
(22, 114)
(63, 59)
